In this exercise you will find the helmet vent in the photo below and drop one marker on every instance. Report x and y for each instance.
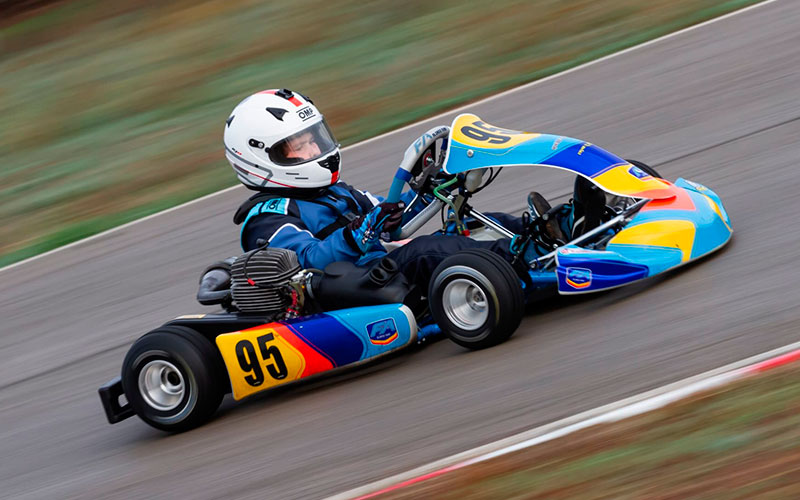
(331, 163)
(305, 97)
(277, 112)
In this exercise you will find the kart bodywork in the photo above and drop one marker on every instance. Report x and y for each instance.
(659, 225)
(307, 346)
(259, 354)
(664, 234)
(681, 222)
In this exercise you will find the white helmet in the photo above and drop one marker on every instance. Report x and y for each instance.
(278, 139)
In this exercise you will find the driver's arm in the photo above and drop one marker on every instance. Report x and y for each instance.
(406, 198)
(286, 231)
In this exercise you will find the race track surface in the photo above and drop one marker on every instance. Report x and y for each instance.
(718, 105)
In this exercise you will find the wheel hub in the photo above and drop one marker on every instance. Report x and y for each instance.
(161, 385)
(465, 304)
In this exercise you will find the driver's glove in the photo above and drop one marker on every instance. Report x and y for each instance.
(383, 218)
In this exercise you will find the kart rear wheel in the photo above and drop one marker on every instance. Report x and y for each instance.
(173, 378)
(476, 298)
(644, 166)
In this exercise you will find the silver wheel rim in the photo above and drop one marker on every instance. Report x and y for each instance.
(465, 304)
(161, 385)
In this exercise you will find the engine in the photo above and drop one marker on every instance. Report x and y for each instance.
(260, 280)
(270, 282)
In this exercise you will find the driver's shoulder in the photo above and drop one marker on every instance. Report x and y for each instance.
(364, 198)
(265, 205)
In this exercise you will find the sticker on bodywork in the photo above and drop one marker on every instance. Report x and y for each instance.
(257, 359)
(579, 277)
(382, 332)
(637, 172)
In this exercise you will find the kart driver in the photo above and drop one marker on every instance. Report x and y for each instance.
(279, 145)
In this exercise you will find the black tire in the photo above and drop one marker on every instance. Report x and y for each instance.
(644, 166)
(185, 373)
(497, 285)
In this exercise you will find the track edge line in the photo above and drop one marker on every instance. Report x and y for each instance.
(612, 412)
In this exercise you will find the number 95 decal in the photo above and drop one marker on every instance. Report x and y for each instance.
(480, 131)
(249, 362)
(468, 130)
(257, 359)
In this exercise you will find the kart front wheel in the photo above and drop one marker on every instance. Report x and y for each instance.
(172, 378)
(476, 298)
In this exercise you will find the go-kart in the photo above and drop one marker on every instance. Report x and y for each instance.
(282, 324)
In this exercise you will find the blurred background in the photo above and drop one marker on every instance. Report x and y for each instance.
(110, 111)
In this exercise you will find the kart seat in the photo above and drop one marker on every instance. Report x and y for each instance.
(589, 204)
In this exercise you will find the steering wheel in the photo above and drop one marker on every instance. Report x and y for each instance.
(414, 160)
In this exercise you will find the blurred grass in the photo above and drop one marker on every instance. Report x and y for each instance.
(110, 111)
(742, 441)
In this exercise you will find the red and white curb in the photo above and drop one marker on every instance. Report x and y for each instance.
(613, 412)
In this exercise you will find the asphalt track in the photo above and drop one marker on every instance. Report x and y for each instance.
(718, 105)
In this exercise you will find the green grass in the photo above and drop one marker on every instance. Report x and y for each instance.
(742, 441)
(114, 110)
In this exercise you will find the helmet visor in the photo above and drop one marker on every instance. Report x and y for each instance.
(309, 144)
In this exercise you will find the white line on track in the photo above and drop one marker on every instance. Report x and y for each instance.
(387, 134)
(619, 410)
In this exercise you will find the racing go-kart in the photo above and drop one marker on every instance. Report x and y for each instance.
(281, 323)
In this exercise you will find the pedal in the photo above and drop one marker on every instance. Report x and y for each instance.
(538, 206)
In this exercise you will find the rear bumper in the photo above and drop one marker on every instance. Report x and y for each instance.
(110, 393)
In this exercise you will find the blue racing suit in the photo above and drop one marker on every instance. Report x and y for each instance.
(314, 225)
